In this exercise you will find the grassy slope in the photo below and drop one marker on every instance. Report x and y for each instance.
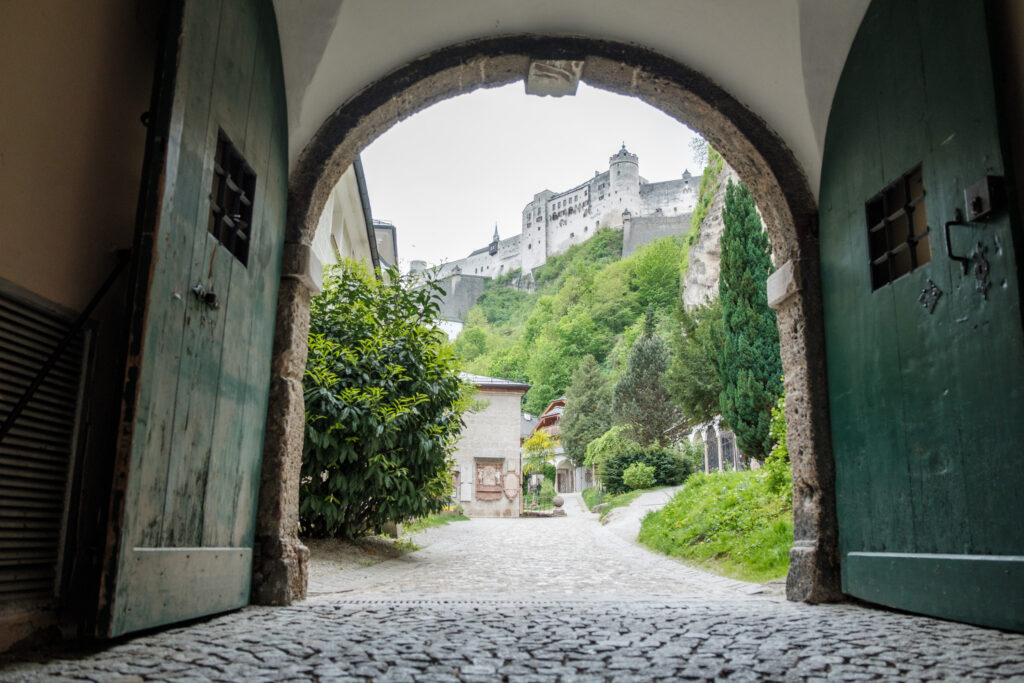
(729, 522)
(431, 521)
(594, 497)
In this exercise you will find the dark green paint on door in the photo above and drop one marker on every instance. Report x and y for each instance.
(196, 427)
(926, 410)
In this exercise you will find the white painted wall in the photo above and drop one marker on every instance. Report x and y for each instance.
(342, 224)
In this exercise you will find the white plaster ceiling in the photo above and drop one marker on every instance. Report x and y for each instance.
(781, 58)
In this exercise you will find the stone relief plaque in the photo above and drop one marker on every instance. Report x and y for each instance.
(488, 481)
(511, 484)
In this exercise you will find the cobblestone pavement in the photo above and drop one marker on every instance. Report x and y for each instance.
(542, 600)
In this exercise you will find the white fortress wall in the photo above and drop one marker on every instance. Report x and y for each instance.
(670, 198)
(552, 222)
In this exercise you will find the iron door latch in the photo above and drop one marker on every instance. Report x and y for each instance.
(205, 297)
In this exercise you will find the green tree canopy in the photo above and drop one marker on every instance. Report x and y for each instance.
(383, 404)
(750, 366)
(588, 410)
(641, 400)
(693, 377)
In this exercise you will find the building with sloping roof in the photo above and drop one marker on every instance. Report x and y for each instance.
(487, 475)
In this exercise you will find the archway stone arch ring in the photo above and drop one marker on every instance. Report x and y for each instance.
(758, 155)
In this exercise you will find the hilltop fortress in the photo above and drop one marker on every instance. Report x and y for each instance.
(551, 223)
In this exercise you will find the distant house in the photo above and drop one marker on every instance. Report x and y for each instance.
(526, 425)
(568, 478)
(488, 462)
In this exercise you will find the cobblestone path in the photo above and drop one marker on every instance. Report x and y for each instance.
(542, 600)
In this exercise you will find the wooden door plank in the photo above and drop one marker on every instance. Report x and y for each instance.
(241, 374)
(265, 289)
(204, 338)
(263, 336)
(184, 583)
(977, 589)
(985, 329)
(863, 357)
(934, 487)
(170, 301)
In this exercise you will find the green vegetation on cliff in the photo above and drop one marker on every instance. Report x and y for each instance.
(587, 302)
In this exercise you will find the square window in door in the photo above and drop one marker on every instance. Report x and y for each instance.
(231, 199)
(898, 235)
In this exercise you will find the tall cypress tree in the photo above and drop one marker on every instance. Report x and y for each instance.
(588, 409)
(750, 365)
(641, 400)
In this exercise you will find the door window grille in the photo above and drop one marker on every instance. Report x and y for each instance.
(231, 199)
(898, 240)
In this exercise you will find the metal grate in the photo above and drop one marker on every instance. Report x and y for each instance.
(36, 454)
(231, 199)
(898, 232)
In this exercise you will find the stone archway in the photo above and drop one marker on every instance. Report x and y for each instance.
(760, 158)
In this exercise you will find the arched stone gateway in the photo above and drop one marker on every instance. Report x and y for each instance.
(758, 155)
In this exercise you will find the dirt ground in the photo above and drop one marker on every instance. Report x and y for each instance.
(331, 555)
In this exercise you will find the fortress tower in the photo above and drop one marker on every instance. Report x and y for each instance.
(624, 181)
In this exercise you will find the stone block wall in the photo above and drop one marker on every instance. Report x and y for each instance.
(461, 293)
(641, 230)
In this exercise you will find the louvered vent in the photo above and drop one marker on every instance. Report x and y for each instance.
(35, 455)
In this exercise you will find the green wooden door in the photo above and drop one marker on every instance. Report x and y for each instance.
(926, 407)
(199, 368)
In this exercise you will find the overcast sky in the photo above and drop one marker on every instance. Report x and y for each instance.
(445, 176)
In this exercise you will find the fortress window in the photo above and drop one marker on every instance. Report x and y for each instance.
(529, 246)
(572, 234)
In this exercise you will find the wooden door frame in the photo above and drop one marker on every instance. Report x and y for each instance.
(147, 220)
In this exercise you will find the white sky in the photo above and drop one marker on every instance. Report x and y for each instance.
(445, 176)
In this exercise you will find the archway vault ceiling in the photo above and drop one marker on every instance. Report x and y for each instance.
(782, 58)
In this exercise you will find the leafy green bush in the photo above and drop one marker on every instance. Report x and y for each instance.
(383, 405)
(669, 466)
(731, 522)
(638, 476)
(612, 442)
